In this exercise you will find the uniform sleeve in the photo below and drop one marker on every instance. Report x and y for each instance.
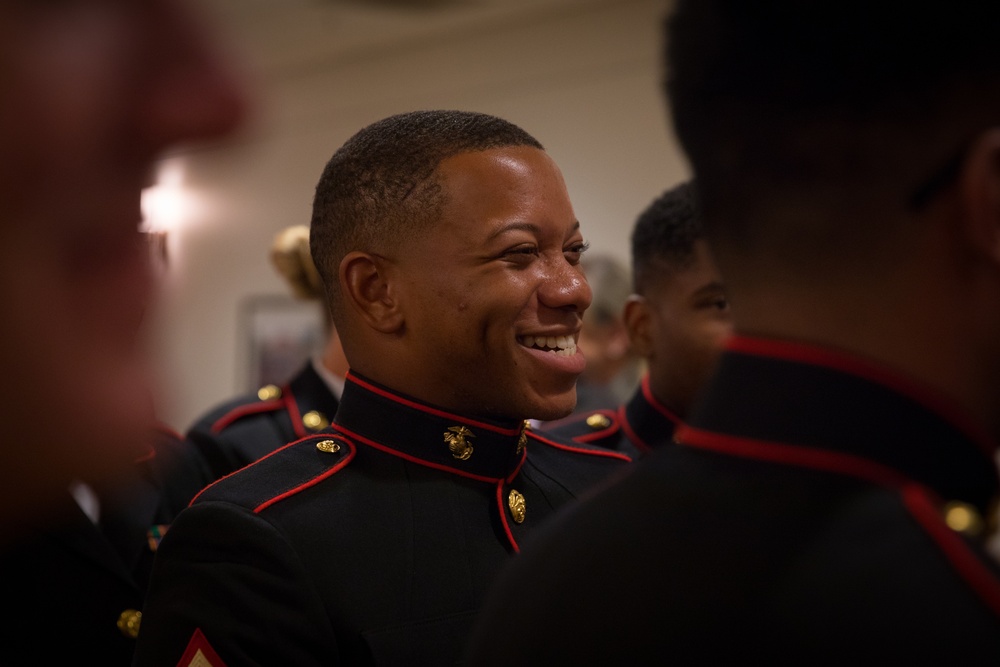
(226, 572)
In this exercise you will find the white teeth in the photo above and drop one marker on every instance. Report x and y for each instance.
(561, 345)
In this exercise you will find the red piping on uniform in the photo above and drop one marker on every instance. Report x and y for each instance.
(955, 549)
(517, 468)
(915, 496)
(150, 454)
(252, 463)
(652, 400)
(820, 459)
(503, 519)
(439, 413)
(312, 482)
(843, 361)
(293, 411)
(413, 459)
(243, 411)
(593, 452)
(582, 416)
(630, 433)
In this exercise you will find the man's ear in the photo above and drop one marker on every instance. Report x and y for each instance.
(980, 189)
(638, 322)
(369, 291)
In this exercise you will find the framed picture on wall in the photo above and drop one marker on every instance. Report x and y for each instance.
(280, 334)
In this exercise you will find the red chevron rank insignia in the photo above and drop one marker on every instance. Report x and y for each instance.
(199, 653)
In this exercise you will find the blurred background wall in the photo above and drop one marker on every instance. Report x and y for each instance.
(583, 76)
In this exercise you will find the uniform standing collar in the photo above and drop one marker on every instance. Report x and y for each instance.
(790, 393)
(375, 415)
(648, 423)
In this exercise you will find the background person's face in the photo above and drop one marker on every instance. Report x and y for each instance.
(498, 274)
(91, 91)
(690, 318)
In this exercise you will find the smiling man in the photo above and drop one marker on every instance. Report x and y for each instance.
(450, 255)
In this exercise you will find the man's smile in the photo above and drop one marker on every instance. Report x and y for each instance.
(562, 345)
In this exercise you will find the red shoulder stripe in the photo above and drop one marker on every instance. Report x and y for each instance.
(608, 453)
(244, 410)
(315, 480)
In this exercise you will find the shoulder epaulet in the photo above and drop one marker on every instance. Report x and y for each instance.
(268, 399)
(566, 444)
(600, 427)
(284, 472)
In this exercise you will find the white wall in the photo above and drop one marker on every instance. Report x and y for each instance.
(582, 76)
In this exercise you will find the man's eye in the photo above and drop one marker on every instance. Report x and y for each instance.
(521, 252)
(575, 252)
(721, 303)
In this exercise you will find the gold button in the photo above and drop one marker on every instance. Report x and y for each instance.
(268, 392)
(328, 446)
(598, 421)
(516, 503)
(963, 518)
(315, 420)
(457, 439)
(128, 623)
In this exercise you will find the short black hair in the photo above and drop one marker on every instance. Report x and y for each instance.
(379, 187)
(785, 101)
(664, 235)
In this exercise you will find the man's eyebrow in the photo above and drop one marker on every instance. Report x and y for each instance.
(522, 226)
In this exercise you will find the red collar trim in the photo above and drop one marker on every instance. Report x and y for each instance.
(847, 362)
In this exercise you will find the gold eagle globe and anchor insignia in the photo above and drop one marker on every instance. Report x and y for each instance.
(457, 439)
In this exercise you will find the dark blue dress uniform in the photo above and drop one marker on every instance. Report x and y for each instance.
(246, 428)
(635, 428)
(75, 590)
(816, 511)
(371, 544)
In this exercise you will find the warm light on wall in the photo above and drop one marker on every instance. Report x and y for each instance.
(166, 206)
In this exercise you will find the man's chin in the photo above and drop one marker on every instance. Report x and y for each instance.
(555, 406)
